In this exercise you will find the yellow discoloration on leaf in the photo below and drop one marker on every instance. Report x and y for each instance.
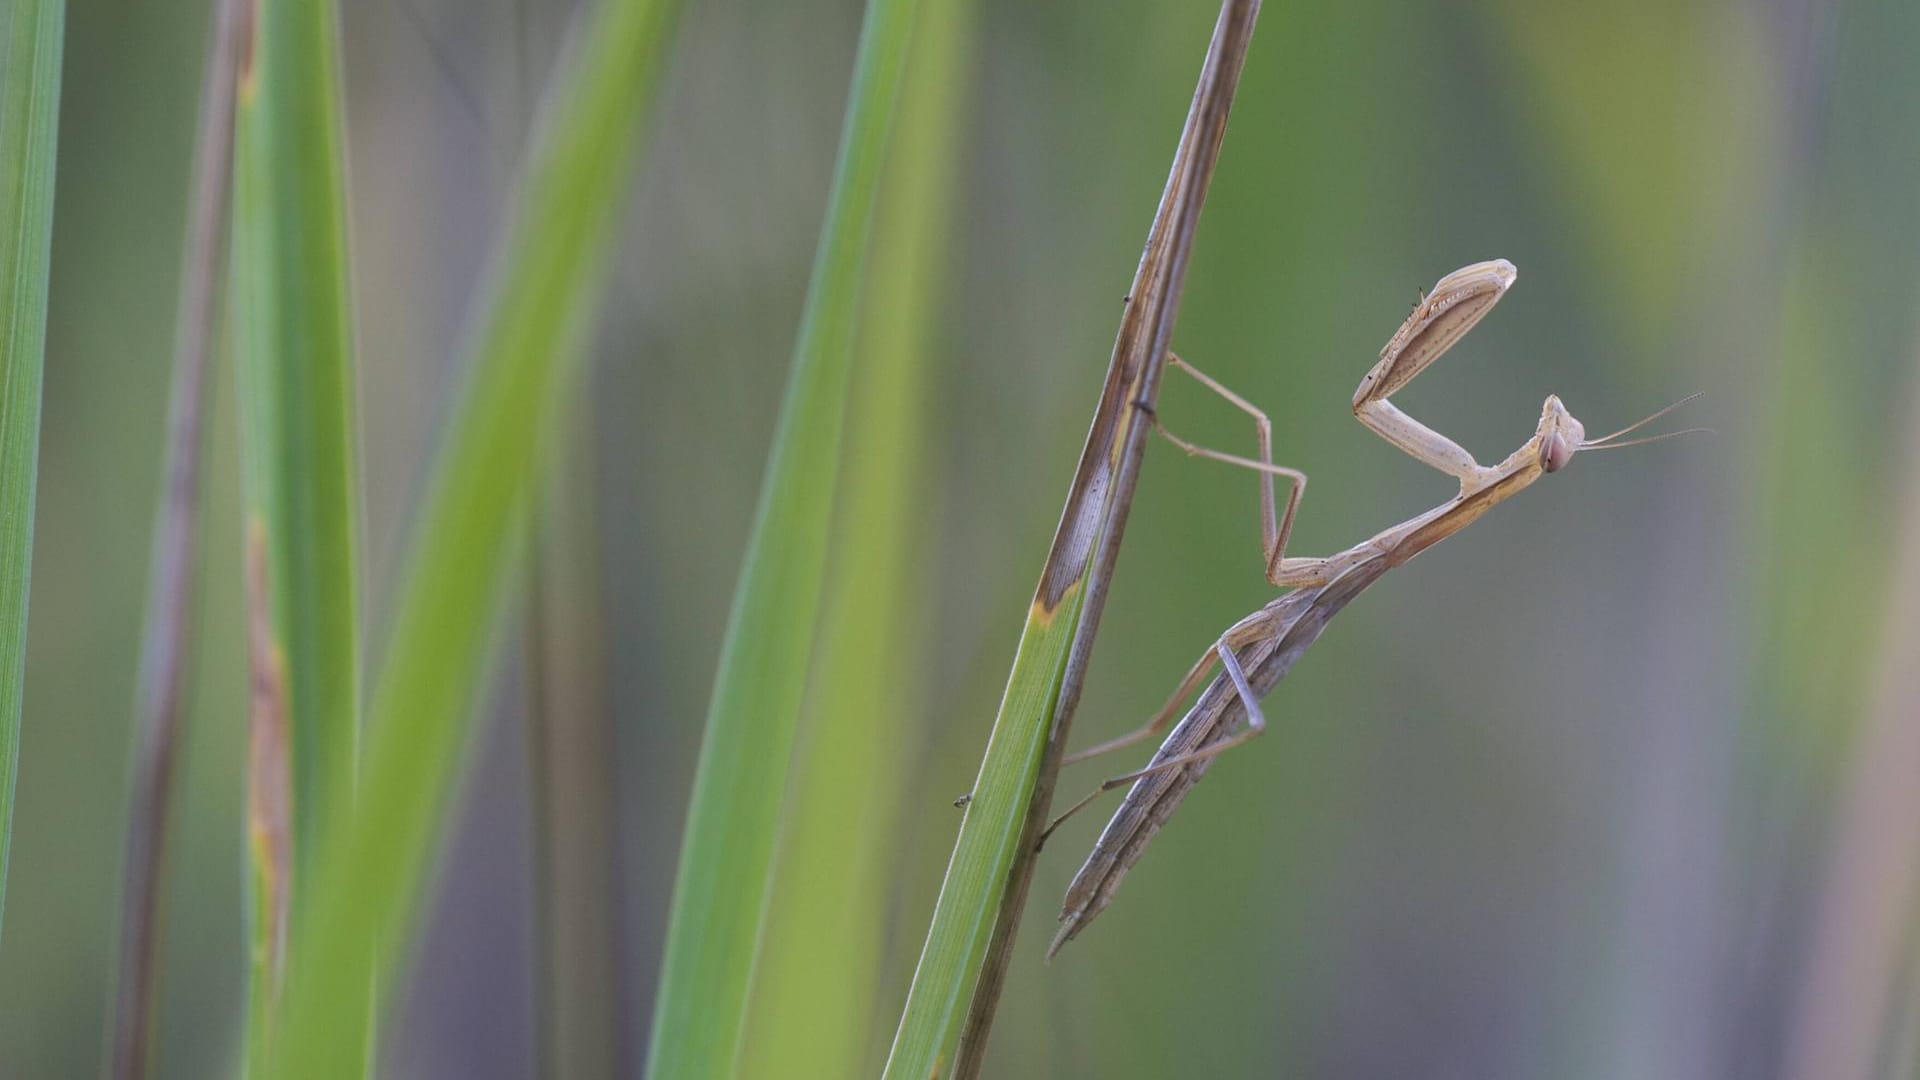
(1040, 616)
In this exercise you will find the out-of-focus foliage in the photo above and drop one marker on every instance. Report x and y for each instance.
(523, 349)
(817, 988)
(293, 343)
(30, 44)
(1557, 799)
(723, 887)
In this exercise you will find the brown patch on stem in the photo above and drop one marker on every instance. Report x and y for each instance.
(249, 19)
(167, 636)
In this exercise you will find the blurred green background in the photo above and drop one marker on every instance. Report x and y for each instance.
(1583, 792)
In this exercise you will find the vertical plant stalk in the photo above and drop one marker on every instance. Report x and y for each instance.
(1862, 937)
(524, 347)
(164, 640)
(31, 33)
(293, 344)
(817, 986)
(721, 889)
(957, 984)
(571, 750)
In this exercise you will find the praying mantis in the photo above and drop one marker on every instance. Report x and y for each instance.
(1255, 653)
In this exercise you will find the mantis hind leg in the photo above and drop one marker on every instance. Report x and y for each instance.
(1245, 632)
(1256, 723)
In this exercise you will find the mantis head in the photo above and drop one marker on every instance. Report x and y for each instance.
(1560, 436)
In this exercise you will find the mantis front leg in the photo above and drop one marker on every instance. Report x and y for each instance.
(1443, 317)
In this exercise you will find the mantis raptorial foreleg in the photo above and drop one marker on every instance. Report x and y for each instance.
(1443, 316)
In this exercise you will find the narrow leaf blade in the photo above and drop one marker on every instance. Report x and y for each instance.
(524, 350)
(817, 986)
(31, 36)
(293, 346)
(720, 892)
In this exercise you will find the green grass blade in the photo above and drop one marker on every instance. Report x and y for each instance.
(293, 343)
(720, 892)
(816, 990)
(31, 35)
(956, 985)
(970, 896)
(542, 291)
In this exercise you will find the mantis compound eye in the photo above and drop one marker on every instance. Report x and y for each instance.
(1555, 452)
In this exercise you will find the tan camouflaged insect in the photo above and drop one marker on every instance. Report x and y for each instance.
(1256, 653)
